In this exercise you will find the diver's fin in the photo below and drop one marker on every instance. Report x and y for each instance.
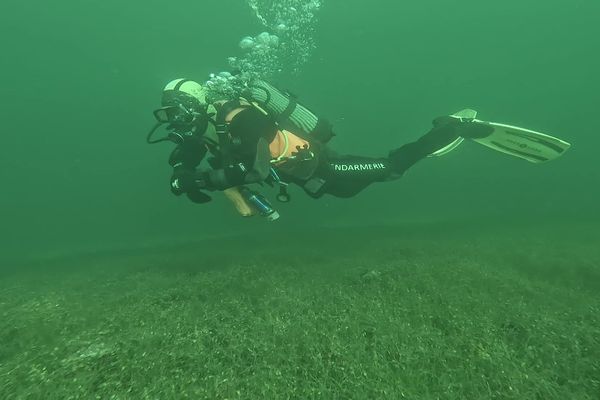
(447, 149)
(523, 143)
(466, 114)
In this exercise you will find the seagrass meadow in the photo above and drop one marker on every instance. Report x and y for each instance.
(373, 313)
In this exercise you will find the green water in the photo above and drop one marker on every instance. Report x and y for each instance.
(475, 276)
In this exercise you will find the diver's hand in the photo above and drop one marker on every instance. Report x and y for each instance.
(199, 197)
(186, 181)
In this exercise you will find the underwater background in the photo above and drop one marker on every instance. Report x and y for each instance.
(85, 200)
(81, 80)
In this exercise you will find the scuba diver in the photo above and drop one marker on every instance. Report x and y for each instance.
(266, 136)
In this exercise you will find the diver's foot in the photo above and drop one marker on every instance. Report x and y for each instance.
(447, 120)
(464, 127)
(474, 130)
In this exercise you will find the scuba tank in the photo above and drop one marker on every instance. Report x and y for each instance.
(288, 113)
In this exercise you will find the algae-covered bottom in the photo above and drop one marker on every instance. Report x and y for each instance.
(415, 312)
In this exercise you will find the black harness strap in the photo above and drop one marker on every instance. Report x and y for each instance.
(323, 131)
(222, 112)
(222, 129)
(285, 114)
(248, 94)
(179, 84)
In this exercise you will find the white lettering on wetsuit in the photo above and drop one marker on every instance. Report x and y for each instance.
(358, 167)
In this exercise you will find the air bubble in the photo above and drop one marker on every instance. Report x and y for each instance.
(247, 43)
(285, 45)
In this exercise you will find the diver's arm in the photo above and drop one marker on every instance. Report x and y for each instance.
(239, 174)
(188, 154)
(184, 159)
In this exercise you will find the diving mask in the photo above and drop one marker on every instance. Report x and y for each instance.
(182, 122)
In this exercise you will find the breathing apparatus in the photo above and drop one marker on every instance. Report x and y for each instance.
(184, 111)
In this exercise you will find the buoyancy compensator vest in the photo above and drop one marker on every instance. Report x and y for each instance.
(292, 119)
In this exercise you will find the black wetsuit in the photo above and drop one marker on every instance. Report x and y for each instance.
(247, 159)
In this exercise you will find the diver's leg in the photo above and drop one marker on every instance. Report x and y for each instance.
(345, 176)
(401, 159)
(348, 175)
(445, 131)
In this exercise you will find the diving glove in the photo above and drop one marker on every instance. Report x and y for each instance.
(198, 197)
(186, 181)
